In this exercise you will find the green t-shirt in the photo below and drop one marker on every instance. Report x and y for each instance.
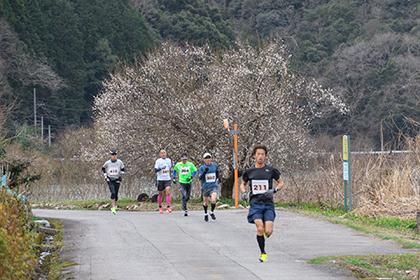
(185, 171)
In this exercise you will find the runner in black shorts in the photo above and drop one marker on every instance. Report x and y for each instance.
(163, 167)
(260, 179)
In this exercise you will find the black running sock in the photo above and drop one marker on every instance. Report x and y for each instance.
(261, 243)
(213, 205)
(205, 208)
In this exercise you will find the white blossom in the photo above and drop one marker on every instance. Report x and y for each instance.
(178, 97)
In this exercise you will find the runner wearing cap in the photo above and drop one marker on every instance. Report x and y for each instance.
(113, 169)
(261, 179)
(185, 170)
(163, 167)
(209, 177)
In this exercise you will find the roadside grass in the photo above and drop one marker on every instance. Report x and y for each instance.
(122, 202)
(128, 204)
(53, 264)
(402, 231)
(82, 204)
(398, 267)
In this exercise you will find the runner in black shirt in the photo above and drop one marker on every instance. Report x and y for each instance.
(261, 179)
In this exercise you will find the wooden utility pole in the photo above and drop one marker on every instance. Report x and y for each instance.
(382, 136)
(35, 111)
(42, 128)
(49, 135)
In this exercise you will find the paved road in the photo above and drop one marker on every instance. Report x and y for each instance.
(134, 245)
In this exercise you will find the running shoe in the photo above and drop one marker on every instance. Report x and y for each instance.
(168, 210)
(206, 218)
(114, 210)
(160, 210)
(186, 214)
(263, 257)
(213, 216)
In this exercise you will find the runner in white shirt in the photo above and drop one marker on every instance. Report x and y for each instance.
(163, 167)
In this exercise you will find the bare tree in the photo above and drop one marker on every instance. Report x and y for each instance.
(179, 96)
(14, 61)
(379, 77)
(3, 117)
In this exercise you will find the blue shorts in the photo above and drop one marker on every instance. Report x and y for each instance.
(262, 211)
(206, 192)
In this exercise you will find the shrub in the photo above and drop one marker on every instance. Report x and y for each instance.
(17, 256)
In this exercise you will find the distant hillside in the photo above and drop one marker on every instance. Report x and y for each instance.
(193, 21)
(81, 41)
(369, 51)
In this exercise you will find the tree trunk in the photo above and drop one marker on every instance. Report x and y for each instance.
(227, 186)
(418, 221)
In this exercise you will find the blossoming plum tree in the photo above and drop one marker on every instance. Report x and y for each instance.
(178, 97)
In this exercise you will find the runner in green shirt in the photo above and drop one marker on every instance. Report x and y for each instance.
(186, 170)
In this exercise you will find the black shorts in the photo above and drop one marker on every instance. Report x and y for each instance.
(162, 185)
(114, 187)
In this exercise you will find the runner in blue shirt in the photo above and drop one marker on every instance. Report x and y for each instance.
(209, 177)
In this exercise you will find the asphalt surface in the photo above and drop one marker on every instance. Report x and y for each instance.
(145, 245)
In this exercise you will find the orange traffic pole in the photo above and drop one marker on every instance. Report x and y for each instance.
(235, 150)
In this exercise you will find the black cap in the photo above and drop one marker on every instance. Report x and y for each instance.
(113, 152)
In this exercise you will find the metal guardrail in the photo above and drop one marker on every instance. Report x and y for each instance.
(382, 152)
(391, 152)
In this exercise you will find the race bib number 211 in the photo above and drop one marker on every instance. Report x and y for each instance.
(259, 186)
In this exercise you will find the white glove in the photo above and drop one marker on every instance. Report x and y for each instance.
(105, 176)
(122, 172)
(245, 196)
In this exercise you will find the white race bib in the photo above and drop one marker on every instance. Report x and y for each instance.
(185, 170)
(259, 186)
(113, 172)
(210, 177)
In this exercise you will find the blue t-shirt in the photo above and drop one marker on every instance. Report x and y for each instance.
(209, 178)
